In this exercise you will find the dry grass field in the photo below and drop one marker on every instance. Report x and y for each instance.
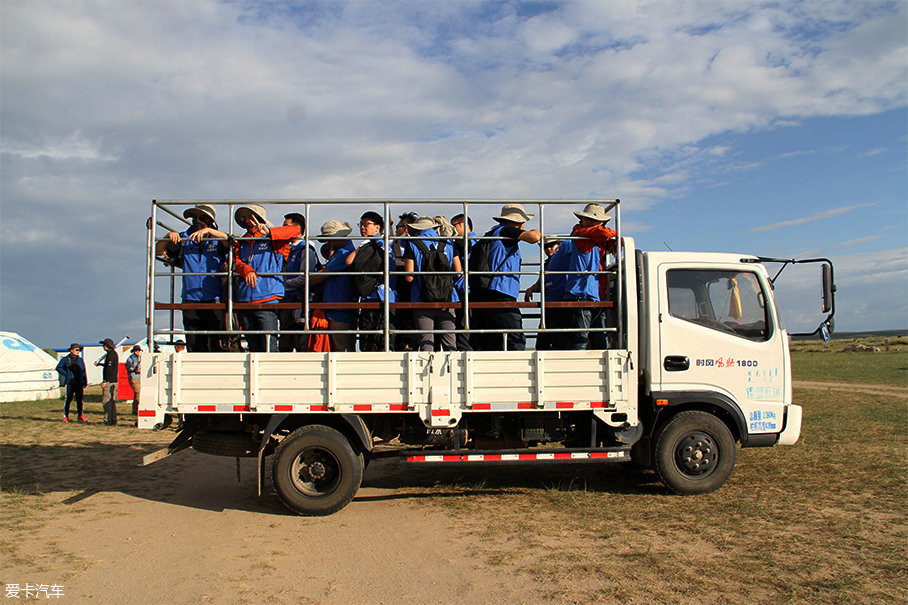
(824, 521)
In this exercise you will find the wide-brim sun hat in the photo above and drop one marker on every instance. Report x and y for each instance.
(75, 345)
(335, 228)
(107, 341)
(244, 211)
(595, 212)
(201, 209)
(422, 223)
(514, 213)
(135, 348)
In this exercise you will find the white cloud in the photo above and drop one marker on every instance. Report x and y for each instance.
(873, 152)
(807, 219)
(72, 147)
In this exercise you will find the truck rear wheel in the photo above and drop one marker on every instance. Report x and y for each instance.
(316, 471)
(694, 453)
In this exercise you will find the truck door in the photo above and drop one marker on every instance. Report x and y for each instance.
(718, 335)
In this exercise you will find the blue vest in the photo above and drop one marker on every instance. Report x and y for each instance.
(201, 257)
(260, 255)
(504, 258)
(460, 283)
(339, 288)
(581, 286)
(554, 283)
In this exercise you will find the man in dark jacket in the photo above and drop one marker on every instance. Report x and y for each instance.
(111, 366)
(72, 375)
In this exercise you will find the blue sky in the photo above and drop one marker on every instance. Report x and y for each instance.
(776, 129)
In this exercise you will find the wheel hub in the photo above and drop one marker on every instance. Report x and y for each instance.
(317, 470)
(697, 454)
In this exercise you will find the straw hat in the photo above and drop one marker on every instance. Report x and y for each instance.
(335, 228)
(595, 212)
(514, 213)
(206, 210)
(244, 211)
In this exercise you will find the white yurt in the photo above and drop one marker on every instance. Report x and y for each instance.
(27, 373)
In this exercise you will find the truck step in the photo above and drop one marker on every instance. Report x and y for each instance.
(605, 454)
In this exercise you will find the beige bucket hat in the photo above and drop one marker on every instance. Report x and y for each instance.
(335, 228)
(595, 212)
(201, 210)
(514, 213)
(244, 211)
(422, 223)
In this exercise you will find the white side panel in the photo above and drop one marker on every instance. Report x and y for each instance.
(429, 383)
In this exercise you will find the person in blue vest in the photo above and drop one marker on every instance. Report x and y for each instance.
(292, 321)
(204, 257)
(581, 258)
(462, 225)
(427, 320)
(372, 225)
(504, 258)
(71, 369)
(258, 259)
(134, 376)
(337, 285)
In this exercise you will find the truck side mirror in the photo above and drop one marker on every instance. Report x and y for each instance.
(828, 288)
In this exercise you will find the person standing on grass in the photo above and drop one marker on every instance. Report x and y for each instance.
(133, 375)
(72, 375)
(109, 374)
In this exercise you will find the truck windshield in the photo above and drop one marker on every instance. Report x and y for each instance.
(726, 301)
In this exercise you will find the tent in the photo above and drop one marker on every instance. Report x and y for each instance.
(27, 373)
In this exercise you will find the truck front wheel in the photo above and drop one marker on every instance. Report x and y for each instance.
(694, 453)
(316, 471)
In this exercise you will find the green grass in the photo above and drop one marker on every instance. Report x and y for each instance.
(812, 361)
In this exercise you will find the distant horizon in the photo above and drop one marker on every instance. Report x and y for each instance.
(835, 336)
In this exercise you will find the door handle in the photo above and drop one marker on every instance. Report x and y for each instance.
(676, 363)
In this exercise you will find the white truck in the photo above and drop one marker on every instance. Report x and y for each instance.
(698, 360)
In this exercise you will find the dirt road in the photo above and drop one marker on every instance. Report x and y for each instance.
(188, 532)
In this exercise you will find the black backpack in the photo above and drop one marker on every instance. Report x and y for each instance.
(479, 261)
(369, 258)
(434, 288)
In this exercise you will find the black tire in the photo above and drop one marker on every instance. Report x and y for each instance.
(316, 471)
(694, 453)
(235, 445)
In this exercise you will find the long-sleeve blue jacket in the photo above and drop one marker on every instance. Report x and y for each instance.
(72, 371)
